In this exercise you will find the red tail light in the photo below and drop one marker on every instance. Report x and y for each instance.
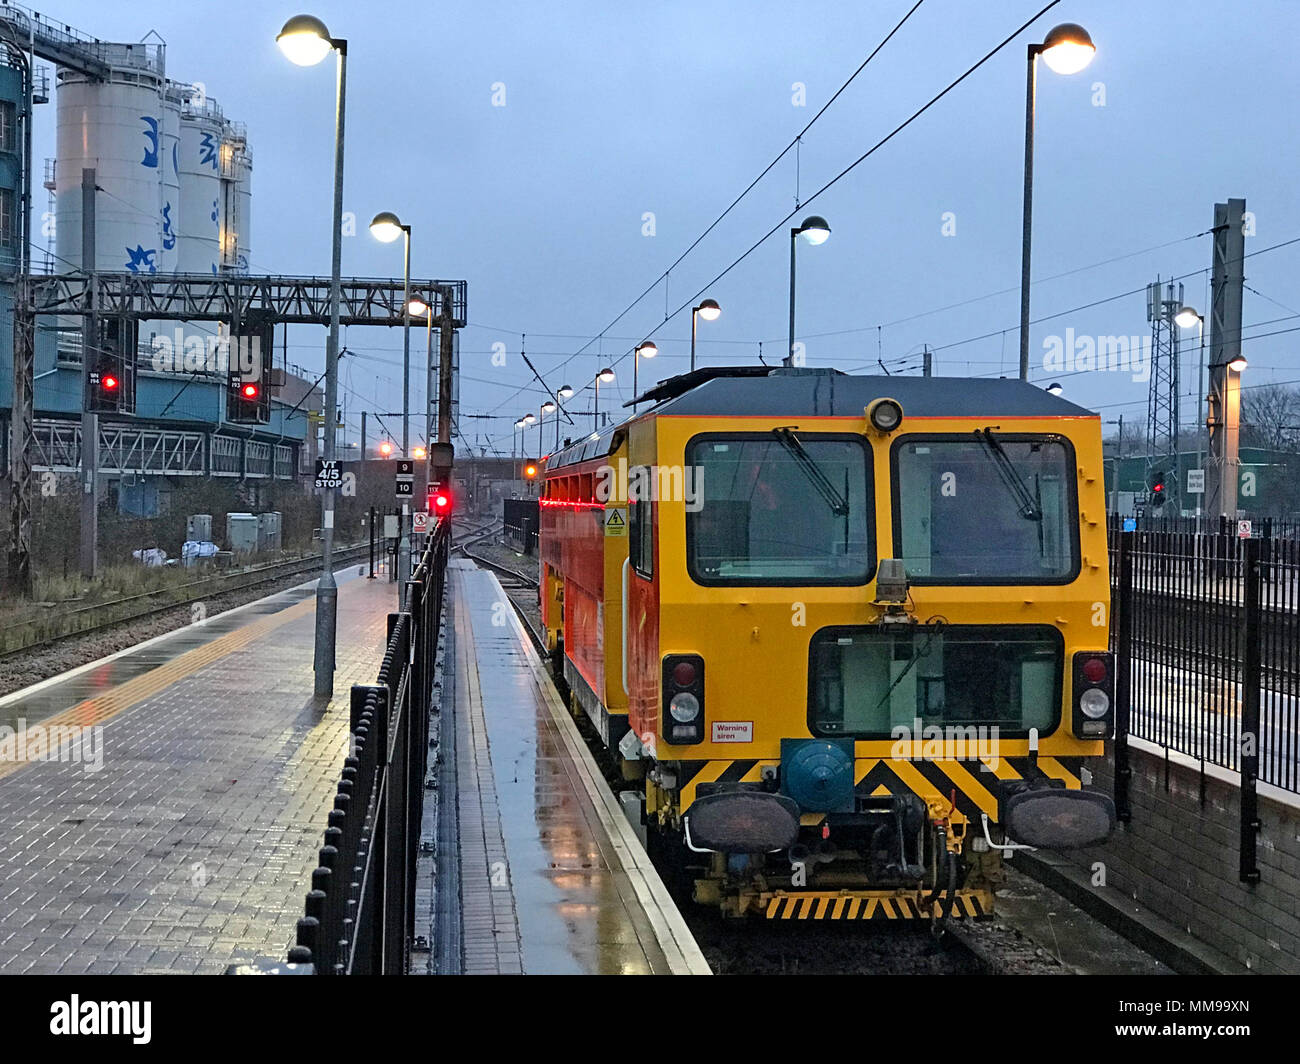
(683, 699)
(1094, 670)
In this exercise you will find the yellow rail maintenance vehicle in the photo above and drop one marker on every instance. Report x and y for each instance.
(852, 632)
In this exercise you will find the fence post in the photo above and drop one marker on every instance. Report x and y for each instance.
(1250, 712)
(1124, 677)
(372, 544)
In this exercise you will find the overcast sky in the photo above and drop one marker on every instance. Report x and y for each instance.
(613, 110)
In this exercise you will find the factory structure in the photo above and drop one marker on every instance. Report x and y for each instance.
(172, 197)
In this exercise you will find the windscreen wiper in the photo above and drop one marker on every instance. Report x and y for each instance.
(1027, 505)
(838, 503)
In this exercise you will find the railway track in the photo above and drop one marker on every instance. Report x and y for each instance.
(759, 947)
(91, 619)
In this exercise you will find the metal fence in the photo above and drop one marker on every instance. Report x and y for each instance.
(521, 524)
(1208, 655)
(359, 915)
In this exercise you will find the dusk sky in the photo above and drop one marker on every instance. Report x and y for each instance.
(614, 110)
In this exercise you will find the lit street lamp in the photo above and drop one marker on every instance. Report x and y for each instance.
(605, 375)
(386, 227)
(306, 41)
(643, 350)
(1067, 49)
(565, 391)
(1185, 319)
(548, 407)
(815, 231)
(709, 311)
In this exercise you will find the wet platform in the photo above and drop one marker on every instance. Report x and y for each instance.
(552, 879)
(176, 826)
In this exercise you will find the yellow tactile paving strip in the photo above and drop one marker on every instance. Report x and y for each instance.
(117, 700)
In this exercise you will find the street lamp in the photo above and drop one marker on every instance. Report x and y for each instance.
(1067, 49)
(643, 350)
(548, 407)
(387, 227)
(418, 308)
(815, 231)
(709, 311)
(565, 391)
(1185, 319)
(605, 375)
(306, 41)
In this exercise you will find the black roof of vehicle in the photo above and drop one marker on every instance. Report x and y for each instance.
(766, 391)
(780, 392)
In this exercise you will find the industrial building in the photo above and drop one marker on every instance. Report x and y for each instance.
(172, 196)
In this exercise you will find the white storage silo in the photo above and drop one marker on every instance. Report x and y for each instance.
(198, 244)
(244, 191)
(169, 252)
(115, 126)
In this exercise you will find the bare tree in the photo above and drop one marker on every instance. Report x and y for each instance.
(1270, 417)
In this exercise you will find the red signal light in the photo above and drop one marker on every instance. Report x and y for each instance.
(1157, 487)
(249, 390)
(109, 383)
(1094, 670)
(441, 502)
(684, 674)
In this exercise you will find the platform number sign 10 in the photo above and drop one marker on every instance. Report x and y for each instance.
(328, 473)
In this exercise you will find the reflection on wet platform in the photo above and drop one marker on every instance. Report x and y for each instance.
(583, 898)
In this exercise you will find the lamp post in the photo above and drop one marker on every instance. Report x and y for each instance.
(1224, 430)
(548, 407)
(305, 41)
(605, 375)
(642, 350)
(709, 311)
(565, 392)
(386, 227)
(1119, 461)
(417, 308)
(1067, 49)
(1185, 319)
(815, 231)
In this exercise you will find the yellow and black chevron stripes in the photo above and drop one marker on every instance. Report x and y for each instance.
(868, 905)
(972, 784)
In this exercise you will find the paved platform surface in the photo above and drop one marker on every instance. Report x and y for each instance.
(552, 878)
(182, 837)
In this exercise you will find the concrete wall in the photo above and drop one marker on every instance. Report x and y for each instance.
(1179, 858)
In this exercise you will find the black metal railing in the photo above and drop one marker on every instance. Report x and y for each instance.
(1207, 640)
(521, 522)
(359, 915)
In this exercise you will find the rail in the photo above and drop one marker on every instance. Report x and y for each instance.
(359, 915)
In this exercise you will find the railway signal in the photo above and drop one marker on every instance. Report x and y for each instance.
(440, 502)
(1156, 489)
(529, 469)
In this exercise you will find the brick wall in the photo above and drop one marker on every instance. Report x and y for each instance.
(1179, 858)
